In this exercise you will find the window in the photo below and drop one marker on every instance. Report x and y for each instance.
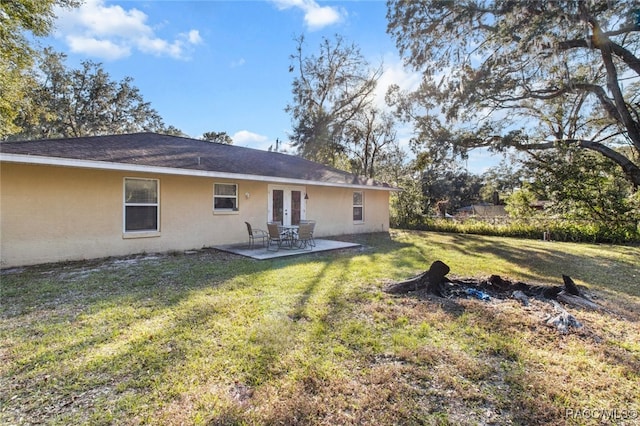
(358, 206)
(225, 197)
(141, 207)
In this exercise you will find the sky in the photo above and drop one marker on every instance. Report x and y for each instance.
(223, 65)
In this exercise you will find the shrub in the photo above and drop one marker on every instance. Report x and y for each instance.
(558, 230)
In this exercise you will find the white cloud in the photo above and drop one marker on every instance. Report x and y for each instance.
(194, 37)
(94, 47)
(111, 32)
(315, 16)
(247, 138)
(319, 17)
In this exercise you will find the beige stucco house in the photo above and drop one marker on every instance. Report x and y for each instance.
(91, 197)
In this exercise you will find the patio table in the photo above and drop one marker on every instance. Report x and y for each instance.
(290, 233)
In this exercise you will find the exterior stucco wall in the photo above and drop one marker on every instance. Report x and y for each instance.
(332, 208)
(50, 214)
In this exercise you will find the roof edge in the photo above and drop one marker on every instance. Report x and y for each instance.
(105, 165)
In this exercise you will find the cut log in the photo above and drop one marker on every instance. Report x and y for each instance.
(412, 284)
(431, 280)
(435, 282)
(578, 301)
(500, 284)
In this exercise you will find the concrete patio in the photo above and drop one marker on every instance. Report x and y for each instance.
(261, 253)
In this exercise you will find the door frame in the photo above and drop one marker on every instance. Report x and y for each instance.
(287, 190)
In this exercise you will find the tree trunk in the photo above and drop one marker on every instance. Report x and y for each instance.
(431, 280)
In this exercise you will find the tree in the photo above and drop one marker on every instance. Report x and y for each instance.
(580, 185)
(519, 204)
(83, 102)
(218, 137)
(503, 180)
(17, 19)
(407, 207)
(448, 188)
(529, 75)
(173, 131)
(331, 89)
(367, 139)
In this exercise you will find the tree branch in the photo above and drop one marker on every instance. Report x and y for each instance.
(630, 169)
(626, 55)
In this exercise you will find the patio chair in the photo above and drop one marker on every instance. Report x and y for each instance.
(256, 234)
(313, 228)
(305, 236)
(275, 236)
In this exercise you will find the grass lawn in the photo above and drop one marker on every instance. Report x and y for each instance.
(211, 338)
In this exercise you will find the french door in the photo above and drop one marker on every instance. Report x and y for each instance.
(286, 204)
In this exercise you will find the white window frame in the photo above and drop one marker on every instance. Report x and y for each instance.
(125, 205)
(361, 206)
(236, 198)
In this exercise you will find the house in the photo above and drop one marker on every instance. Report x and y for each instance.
(91, 197)
(483, 210)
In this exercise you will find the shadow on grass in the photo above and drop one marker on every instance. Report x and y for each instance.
(604, 267)
(82, 330)
(82, 326)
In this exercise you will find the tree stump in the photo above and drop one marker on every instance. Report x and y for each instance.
(434, 280)
(431, 280)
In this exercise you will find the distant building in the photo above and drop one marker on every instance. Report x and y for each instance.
(482, 210)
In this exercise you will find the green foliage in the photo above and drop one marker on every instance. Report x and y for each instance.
(527, 75)
(407, 206)
(519, 204)
(502, 179)
(582, 186)
(83, 102)
(13, 81)
(369, 137)
(18, 18)
(535, 229)
(450, 185)
(218, 137)
(173, 131)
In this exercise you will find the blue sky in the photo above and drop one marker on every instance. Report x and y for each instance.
(212, 65)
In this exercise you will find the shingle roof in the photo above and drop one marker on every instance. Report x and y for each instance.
(173, 152)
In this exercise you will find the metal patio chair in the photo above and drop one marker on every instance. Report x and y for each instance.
(305, 236)
(313, 228)
(256, 234)
(276, 236)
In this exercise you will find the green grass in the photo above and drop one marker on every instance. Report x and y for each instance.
(211, 338)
